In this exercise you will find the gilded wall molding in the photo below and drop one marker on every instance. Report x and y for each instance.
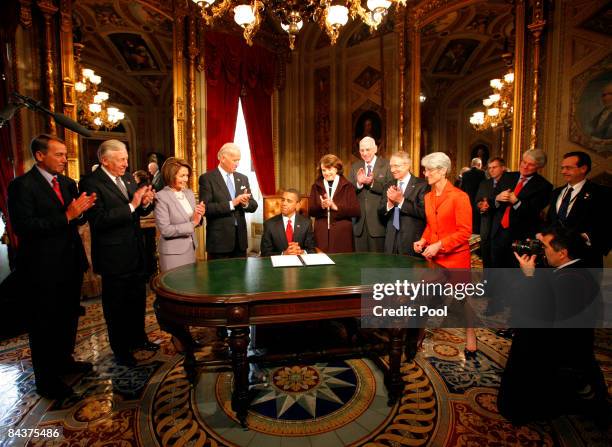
(179, 78)
(25, 13)
(48, 8)
(536, 27)
(68, 94)
(191, 91)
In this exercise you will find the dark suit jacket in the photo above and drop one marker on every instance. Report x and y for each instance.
(486, 191)
(470, 181)
(526, 220)
(412, 215)
(369, 197)
(220, 231)
(116, 238)
(590, 214)
(339, 239)
(274, 240)
(49, 246)
(158, 181)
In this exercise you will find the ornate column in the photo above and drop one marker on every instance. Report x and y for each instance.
(68, 94)
(49, 9)
(401, 28)
(178, 78)
(191, 91)
(415, 89)
(514, 154)
(536, 27)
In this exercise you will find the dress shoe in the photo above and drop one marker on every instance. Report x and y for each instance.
(55, 389)
(505, 333)
(470, 355)
(76, 367)
(126, 359)
(147, 346)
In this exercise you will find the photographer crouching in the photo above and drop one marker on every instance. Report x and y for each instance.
(551, 368)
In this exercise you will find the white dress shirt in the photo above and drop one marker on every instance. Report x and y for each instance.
(576, 190)
(113, 177)
(180, 196)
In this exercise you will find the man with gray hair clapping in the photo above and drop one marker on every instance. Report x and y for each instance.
(117, 249)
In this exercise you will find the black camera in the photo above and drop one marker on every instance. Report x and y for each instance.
(529, 247)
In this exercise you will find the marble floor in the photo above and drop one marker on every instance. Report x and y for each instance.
(447, 401)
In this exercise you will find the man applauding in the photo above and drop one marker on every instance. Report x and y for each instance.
(46, 210)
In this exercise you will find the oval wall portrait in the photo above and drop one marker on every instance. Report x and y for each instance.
(591, 123)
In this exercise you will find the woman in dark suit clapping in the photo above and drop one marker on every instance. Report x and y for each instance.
(333, 203)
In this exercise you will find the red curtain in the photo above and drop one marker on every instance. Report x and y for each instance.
(232, 68)
(258, 78)
(7, 34)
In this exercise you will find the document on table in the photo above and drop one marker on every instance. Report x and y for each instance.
(301, 260)
(286, 261)
(316, 259)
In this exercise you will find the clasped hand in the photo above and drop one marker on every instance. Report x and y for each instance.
(143, 196)
(507, 196)
(80, 205)
(364, 179)
(199, 211)
(293, 249)
(242, 199)
(327, 203)
(394, 195)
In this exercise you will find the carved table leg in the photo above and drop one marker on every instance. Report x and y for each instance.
(239, 342)
(394, 382)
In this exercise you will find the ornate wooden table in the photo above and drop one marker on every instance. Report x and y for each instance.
(238, 293)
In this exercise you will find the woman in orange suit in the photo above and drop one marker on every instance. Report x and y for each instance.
(449, 225)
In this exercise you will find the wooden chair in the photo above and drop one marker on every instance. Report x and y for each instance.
(272, 206)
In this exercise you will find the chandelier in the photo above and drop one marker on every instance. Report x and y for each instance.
(92, 109)
(331, 15)
(498, 106)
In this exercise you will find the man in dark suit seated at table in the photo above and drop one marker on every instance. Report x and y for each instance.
(288, 233)
(227, 196)
(46, 210)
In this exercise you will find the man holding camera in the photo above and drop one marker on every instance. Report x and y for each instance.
(551, 367)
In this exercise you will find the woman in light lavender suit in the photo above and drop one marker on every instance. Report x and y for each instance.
(177, 216)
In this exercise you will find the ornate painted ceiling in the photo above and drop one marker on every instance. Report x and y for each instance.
(129, 43)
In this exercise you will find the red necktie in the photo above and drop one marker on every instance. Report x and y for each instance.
(506, 218)
(289, 232)
(57, 190)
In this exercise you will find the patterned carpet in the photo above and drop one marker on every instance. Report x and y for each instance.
(447, 400)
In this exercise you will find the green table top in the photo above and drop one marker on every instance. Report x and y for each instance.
(227, 278)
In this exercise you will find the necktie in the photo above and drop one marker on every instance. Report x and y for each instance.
(396, 211)
(369, 170)
(506, 218)
(289, 232)
(564, 207)
(56, 188)
(230, 186)
(121, 186)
